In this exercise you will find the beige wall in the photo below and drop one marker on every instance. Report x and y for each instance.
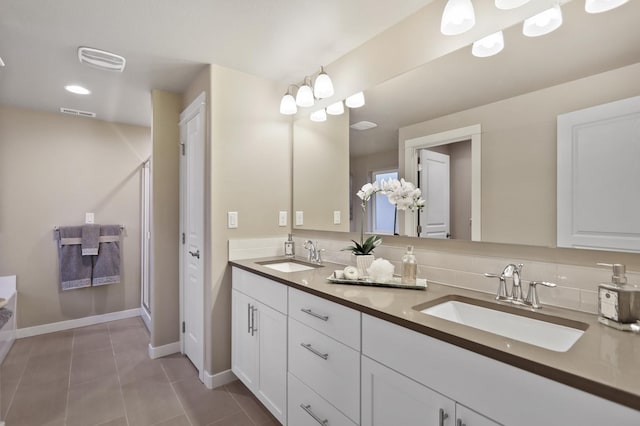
(321, 172)
(53, 169)
(519, 152)
(165, 208)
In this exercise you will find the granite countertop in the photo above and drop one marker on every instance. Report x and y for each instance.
(603, 362)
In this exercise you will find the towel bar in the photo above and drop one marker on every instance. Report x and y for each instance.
(55, 228)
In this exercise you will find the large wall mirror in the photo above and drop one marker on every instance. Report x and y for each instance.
(493, 118)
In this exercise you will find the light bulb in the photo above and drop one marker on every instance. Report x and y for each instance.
(510, 4)
(304, 97)
(288, 105)
(323, 87)
(458, 17)
(336, 109)
(489, 45)
(355, 101)
(319, 115)
(78, 90)
(598, 6)
(543, 23)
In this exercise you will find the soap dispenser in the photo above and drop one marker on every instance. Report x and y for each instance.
(618, 303)
(290, 247)
(409, 267)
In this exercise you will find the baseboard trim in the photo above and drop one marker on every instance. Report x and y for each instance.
(212, 381)
(146, 318)
(164, 350)
(75, 323)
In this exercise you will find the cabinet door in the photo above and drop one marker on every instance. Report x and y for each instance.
(467, 417)
(270, 327)
(244, 347)
(391, 399)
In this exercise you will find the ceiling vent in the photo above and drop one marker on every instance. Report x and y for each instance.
(77, 112)
(363, 125)
(101, 59)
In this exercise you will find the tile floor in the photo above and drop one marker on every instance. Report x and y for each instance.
(102, 375)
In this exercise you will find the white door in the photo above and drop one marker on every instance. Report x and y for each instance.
(434, 183)
(192, 135)
(390, 399)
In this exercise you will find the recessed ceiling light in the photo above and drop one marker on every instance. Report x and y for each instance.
(363, 125)
(78, 90)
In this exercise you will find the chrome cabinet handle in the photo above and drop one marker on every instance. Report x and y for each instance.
(442, 416)
(308, 347)
(249, 318)
(307, 408)
(196, 254)
(313, 314)
(459, 423)
(253, 320)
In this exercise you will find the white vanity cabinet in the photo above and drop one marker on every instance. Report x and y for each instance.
(259, 338)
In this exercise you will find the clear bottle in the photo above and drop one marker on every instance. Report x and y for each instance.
(290, 247)
(409, 267)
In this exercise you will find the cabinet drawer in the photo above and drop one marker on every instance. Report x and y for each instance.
(271, 293)
(327, 317)
(307, 408)
(327, 366)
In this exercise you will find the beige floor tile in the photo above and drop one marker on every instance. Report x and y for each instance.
(44, 368)
(134, 322)
(39, 404)
(120, 421)
(11, 371)
(127, 338)
(237, 419)
(89, 366)
(52, 343)
(204, 406)
(93, 338)
(150, 400)
(96, 402)
(176, 421)
(250, 404)
(178, 367)
(133, 366)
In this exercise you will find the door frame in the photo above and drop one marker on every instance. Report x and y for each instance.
(198, 106)
(411, 152)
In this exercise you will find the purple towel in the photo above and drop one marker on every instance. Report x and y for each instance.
(75, 269)
(106, 265)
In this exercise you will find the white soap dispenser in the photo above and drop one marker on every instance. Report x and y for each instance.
(409, 267)
(290, 247)
(618, 303)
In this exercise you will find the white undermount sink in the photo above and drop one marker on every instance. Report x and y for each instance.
(288, 266)
(548, 335)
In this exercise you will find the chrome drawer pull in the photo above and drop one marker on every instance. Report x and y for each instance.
(442, 416)
(307, 408)
(253, 320)
(313, 314)
(314, 351)
(459, 423)
(248, 317)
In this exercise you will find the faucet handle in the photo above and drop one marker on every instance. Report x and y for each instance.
(502, 293)
(532, 294)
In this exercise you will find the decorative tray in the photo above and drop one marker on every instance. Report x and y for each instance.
(395, 282)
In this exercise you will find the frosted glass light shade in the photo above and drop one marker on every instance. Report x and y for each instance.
(489, 45)
(319, 115)
(355, 101)
(323, 87)
(304, 97)
(543, 23)
(288, 105)
(598, 6)
(510, 4)
(458, 17)
(336, 109)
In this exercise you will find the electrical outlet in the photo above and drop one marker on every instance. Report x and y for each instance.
(89, 218)
(299, 218)
(336, 217)
(282, 218)
(232, 220)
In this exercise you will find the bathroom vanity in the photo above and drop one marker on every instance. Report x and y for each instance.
(315, 352)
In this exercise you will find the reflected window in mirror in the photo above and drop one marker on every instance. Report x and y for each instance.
(383, 212)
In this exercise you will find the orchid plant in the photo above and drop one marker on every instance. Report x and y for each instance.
(404, 195)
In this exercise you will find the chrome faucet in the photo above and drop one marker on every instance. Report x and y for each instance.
(514, 272)
(315, 253)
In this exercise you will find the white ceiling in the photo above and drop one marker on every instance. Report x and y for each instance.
(166, 42)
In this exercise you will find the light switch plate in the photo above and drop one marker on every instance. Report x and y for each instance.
(89, 218)
(282, 218)
(336, 217)
(299, 218)
(232, 220)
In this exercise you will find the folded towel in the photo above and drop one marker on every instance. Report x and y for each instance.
(75, 270)
(90, 236)
(5, 316)
(106, 265)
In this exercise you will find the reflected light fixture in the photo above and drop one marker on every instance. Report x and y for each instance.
(304, 97)
(458, 17)
(336, 109)
(355, 100)
(323, 87)
(489, 45)
(78, 90)
(598, 6)
(510, 4)
(319, 116)
(288, 103)
(543, 23)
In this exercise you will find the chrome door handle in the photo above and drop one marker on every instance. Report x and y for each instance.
(253, 320)
(308, 347)
(313, 314)
(307, 408)
(196, 254)
(459, 423)
(442, 416)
